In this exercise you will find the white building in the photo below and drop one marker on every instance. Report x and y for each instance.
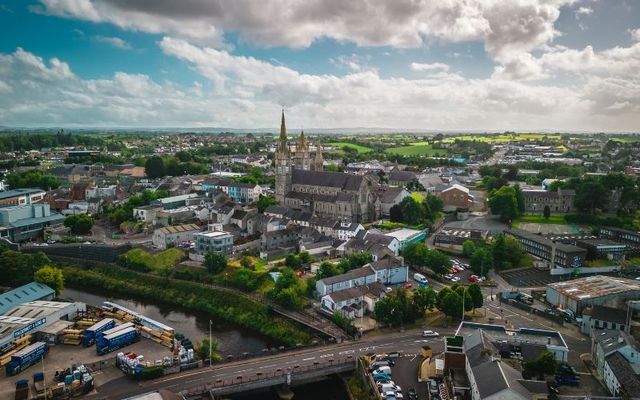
(217, 241)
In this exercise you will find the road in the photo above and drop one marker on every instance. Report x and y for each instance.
(409, 343)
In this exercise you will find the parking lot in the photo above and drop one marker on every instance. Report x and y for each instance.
(529, 277)
(405, 374)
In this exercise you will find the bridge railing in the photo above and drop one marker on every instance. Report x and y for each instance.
(246, 378)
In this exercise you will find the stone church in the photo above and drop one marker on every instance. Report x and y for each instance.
(302, 184)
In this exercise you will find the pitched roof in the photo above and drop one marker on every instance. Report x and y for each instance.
(458, 187)
(610, 314)
(339, 180)
(389, 194)
(24, 294)
(375, 289)
(624, 373)
(353, 274)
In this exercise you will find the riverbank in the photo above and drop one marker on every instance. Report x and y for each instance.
(192, 296)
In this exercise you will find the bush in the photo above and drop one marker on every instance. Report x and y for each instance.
(152, 372)
(143, 261)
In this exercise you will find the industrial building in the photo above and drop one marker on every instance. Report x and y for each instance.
(602, 248)
(30, 292)
(580, 293)
(449, 237)
(554, 254)
(24, 222)
(33, 317)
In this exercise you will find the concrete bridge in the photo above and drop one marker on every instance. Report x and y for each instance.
(290, 376)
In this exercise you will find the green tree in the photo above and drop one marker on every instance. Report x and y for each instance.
(203, 351)
(292, 261)
(264, 202)
(396, 308)
(79, 224)
(360, 259)
(395, 213)
(546, 212)
(154, 167)
(477, 298)
(468, 247)
(437, 261)
(19, 268)
(328, 269)
(545, 364)
(435, 203)
(215, 262)
(590, 195)
(415, 254)
(481, 260)
(519, 198)
(51, 277)
(288, 290)
(451, 305)
(424, 298)
(412, 211)
(503, 202)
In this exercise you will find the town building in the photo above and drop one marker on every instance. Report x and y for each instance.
(174, 235)
(577, 294)
(24, 222)
(630, 238)
(242, 193)
(453, 238)
(456, 196)
(559, 201)
(20, 197)
(302, 184)
(389, 271)
(353, 302)
(389, 197)
(405, 236)
(615, 356)
(602, 248)
(551, 254)
(377, 244)
(216, 241)
(401, 178)
(30, 292)
(599, 317)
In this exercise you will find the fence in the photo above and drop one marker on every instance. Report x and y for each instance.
(83, 252)
(525, 307)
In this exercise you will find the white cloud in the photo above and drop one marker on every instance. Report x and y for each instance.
(429, 67)
(114, 41)
(635, 34)
(584, 11)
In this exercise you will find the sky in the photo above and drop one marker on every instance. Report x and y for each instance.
(445, 65)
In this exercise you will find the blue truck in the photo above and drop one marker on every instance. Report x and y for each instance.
(114, 329)
(90, 334)
(116, 340)
(26, 357)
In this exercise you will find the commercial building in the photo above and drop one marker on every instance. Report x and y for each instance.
(242, 193)
(580, 293)
(630, 238)
(21, 197)
(174, 235)
(404, 236)
(32, 317)
(553, 254)
(24, 222)
(169, 203)
(30, 292)
(216, 241)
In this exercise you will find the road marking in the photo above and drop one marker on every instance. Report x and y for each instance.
(347, 352)
(326, 355)
(308, 359)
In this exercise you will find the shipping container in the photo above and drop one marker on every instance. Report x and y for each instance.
(26, 357)
(121, 338)
(89, 335)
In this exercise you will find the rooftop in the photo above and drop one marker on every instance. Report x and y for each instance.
(179, 228)
(402, 234)
(213, 234)
(18, 192)
(23, 294)
(595, 286)
(497, 333)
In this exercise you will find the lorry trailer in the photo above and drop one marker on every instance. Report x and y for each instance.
(114, 341)
(89, 335)
(26, 357)
(115, 329)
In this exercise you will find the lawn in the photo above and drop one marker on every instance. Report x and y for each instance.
(539, 219)
(357, 147)
(154, 262)
(418, 149)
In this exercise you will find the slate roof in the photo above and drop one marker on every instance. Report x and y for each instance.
(401, 176)
(389, 194)
(609, 314)
(385, 263)
(353, 274)
(375, 289)
(340, 180)
(626, 376)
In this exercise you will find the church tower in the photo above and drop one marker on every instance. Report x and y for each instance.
(318, 162)
(302, 160)
(283, 164)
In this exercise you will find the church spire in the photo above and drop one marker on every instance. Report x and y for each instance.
(301, 140)
(283, 128)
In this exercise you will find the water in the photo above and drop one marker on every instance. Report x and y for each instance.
(194, 325)
(330, 389)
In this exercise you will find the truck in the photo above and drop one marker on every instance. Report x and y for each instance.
(115, 329)
(116, 340)
(22, 390)
(38, 382)
(89, 335)
(26, 357)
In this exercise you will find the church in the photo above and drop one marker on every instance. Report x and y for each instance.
(302, 184)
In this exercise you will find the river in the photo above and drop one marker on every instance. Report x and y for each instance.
(194, 325)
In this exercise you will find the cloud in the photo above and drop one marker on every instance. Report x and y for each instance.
(635, 34)
(113, 41)
(429, 67)
(584, 11)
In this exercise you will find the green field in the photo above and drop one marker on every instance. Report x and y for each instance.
(500, 138)
(157, 262)
(539, 219)
(418, 149)
(360, 149)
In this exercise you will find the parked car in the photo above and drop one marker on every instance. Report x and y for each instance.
(473, 278)
(413, 395)
(388, 289)
(448, 276)
(433, 387)
(430, 334)
(455, 279)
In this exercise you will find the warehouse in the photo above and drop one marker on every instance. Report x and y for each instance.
(30, 292)
(32, 317)
(578, 294)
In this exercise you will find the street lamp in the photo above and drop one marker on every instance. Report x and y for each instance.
(210, 352)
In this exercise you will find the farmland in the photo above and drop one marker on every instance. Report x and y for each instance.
(357, 147)
(418, 149)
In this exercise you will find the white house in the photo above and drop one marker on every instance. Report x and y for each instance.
(174, 235)
(353, 302)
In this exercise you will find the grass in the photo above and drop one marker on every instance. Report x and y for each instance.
(501, 138)
(388, 225)
(417, 197)
(418, 149)
(157, 262)
(357, 147)
(539, 219)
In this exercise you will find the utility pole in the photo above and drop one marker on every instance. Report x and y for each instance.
(44, 379)
(210, 352)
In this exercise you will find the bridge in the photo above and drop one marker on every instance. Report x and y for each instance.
(290, 376)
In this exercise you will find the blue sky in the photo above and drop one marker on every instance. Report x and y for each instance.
(453, 65)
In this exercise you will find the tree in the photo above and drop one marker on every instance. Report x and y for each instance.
(468, 247)
(590, 195)
(451, 304)
(481, 260)
(327, 270)
(79, 224)
(415, 254)
(437, 261)
(292, 261)
(288, 290)
(203, 350)
(360, 259)
(154, 167)
(545, 364)
(477, 298)
(396, 308)
(519, 198)
(425, 298)
(264, 202)
(215, 262)
(51, 277)
(395, 213)
(546, 212)
(435, 203)
(412, 211)
(503, 202)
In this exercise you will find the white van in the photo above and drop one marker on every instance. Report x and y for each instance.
(420, 278)
(383, 370)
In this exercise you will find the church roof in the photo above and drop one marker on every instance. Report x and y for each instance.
(339, 180)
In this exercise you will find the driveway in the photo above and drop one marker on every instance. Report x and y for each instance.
(485, 222)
